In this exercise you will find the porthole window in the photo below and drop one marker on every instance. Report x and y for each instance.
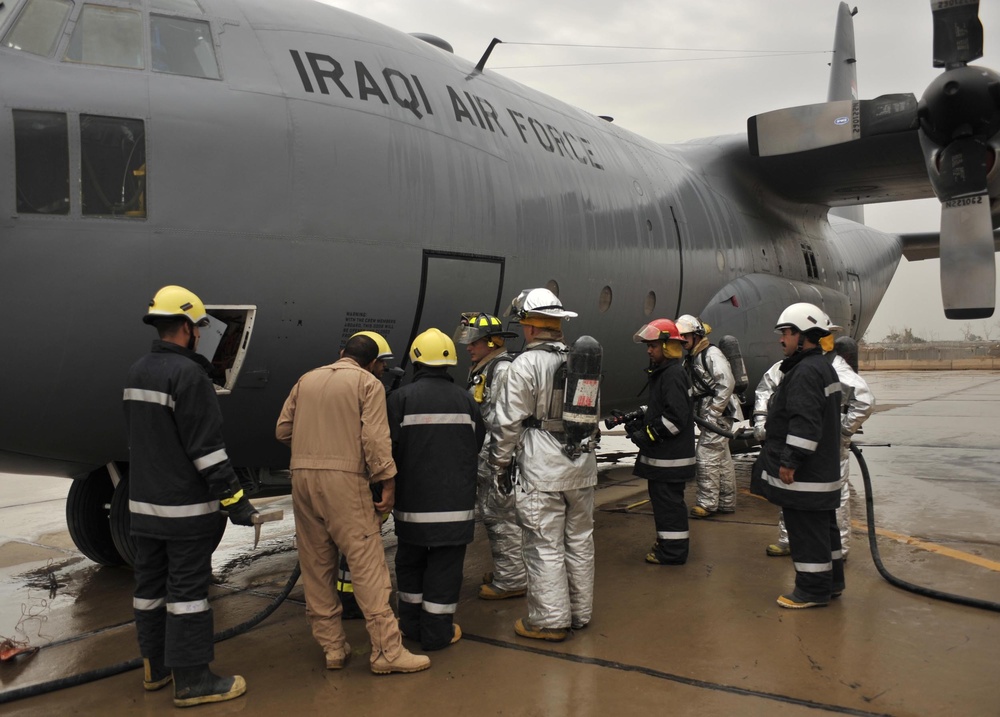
(604, 300)
(649, 304)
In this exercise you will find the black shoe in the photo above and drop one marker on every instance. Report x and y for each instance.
(198, 685)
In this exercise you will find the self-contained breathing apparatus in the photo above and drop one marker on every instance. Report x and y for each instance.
(573, 407)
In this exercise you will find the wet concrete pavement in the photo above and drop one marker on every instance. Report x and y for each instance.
(706, 638)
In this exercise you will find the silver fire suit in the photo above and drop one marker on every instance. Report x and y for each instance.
(712, 382)
(555, 494)
(486, 380)
(857, 404)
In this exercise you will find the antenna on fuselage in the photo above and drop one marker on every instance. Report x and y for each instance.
(486, 55)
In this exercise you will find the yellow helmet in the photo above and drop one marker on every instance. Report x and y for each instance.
(433, 348)
(480, 325)
(173, 301)
(384, 352)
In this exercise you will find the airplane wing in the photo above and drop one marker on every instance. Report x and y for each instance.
(850, 151)
(881, 168)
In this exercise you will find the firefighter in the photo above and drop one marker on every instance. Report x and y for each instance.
(180, 481)
(437, 432)
(554, 498)
(800, 460)
(665, 438)
(857, 404)
(483, 337)
(712, 382)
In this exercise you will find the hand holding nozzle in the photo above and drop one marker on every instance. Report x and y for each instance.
(261, 518)
(618, 418)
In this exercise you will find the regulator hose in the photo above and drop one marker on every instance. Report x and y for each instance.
(84, 677)
(892, 579)
(705, 423)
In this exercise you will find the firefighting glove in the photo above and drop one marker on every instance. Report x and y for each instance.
(242, 512)
(759, 433)
(643, 437)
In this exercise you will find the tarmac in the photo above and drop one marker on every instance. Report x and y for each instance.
(706, 638)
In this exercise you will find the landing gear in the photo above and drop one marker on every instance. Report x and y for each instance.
(88, 508)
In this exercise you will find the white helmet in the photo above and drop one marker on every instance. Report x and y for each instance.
(805, 317)
(540, 302)
(688, 324)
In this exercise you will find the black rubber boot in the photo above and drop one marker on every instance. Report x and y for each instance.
(198, 685)
(155, 674)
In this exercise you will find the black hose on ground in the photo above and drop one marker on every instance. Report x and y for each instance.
(99, 674)
(873, 546)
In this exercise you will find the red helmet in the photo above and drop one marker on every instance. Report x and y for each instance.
(657, 330)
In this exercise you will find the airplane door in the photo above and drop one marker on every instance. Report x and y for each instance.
(854, 294)
(450, 283)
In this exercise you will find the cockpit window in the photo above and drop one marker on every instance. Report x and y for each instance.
(107, 36)
(41, 159)
(38, 27)
(189, 7)
(113, 166)
(182, 47)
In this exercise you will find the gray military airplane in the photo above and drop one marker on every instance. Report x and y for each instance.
(314, 173)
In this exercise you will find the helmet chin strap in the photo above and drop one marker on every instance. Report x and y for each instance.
(192, 340)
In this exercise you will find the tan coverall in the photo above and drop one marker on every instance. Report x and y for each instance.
(335, 422)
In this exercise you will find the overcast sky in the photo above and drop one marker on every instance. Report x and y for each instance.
(697, 97)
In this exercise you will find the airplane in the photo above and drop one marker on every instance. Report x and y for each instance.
(311, 173)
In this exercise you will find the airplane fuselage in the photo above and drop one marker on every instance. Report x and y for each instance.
(341, 176)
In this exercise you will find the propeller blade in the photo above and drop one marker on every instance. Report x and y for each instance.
(798, 129)
(958, 33)
(968, 266)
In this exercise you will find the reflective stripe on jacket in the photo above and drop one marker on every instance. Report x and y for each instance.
(179, 469)
(437, 431)
(803, 432)
(672, 458)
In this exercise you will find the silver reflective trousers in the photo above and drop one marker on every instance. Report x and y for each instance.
(558, 531)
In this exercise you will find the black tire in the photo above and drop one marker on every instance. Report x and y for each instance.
(88, 507)
(121, 523)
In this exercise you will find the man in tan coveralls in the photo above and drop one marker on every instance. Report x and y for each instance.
(335, 422)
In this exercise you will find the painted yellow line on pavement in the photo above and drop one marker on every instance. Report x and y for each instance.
(931, 547)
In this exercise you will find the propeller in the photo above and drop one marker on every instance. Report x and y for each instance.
(959, 116)
(958, 123)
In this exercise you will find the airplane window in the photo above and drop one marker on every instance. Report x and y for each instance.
(107, 36)
(38, 27)
(41, 158)
(182, 47)
(113, 166)
(191, 7)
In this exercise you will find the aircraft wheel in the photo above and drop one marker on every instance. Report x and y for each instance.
(88, 507)
(121, 523)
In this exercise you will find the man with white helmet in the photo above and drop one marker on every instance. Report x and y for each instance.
(800, 460)
(483, 337)
(437, 431)
(555, 494)
(665, 437)
(857, 404)
(712, 382)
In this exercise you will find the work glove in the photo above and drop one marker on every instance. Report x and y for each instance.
(640, 437)
(242, 512)
(759, 433)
